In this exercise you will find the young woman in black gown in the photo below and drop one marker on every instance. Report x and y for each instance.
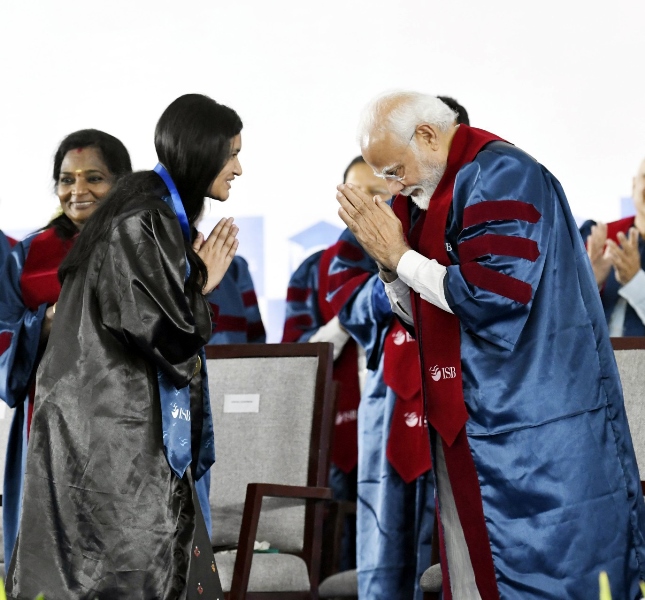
(122, 426)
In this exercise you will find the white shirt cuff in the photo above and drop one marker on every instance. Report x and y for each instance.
(332, 332)
(398, 293)
(634, 293)
(425, 276)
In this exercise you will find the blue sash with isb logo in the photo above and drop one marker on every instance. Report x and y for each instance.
(175, 402)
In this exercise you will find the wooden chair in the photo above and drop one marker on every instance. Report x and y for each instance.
(630, 357)
(335, 583)
(273, 413)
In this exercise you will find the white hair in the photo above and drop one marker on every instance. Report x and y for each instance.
(401, 113)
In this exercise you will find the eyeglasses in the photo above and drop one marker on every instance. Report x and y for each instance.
(397, 172)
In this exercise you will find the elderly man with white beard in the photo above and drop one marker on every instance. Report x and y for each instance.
(538, 488)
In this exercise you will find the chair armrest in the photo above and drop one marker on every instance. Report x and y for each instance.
(255, 492)
(272, 490)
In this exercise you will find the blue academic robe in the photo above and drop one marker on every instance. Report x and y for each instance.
(394, 519)
(239, 320)
(20, 328)
(302, 314)
(304, 317)
(5, 247)
(546, 429)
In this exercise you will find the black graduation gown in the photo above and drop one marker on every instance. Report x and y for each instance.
(103, 515)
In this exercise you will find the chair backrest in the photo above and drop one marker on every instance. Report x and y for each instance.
(630, 357)
(272, 413)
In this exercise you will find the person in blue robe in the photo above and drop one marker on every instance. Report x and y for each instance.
(537, 480)
(87, 163)
(617, 254)
(395, 517)
(239, 320)
(310, 318)
(395, 508)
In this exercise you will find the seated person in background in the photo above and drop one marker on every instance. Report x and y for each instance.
(239, 320)
(86, 166)
(309, 317)
(617, 255)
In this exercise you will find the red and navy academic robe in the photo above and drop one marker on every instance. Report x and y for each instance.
(543, 469)
(633, 325)
(307, 310)
(239, 320)
(29, 286)
(395, 508)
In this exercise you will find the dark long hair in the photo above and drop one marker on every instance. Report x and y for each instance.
(193, 141)
(114, 155)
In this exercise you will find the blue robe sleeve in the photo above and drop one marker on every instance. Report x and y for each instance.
(503, 204)
(20, 330)
(302, 317)
(256, 333)
(358, 296)
(5, 248)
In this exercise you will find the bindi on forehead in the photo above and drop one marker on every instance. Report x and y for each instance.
(79, 150)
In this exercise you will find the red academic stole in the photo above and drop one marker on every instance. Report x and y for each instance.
(344, 449)
(613, 229)
(438, 334)
(622, 226)
(39, 280)
(408, 444)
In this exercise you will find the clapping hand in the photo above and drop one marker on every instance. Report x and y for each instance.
(217, 251)
(625, 257)
(598, 255)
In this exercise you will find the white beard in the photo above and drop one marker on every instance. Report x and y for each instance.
(422, 191)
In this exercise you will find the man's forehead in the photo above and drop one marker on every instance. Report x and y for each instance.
(382, 150)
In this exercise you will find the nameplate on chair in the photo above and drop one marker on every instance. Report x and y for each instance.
(241, 403)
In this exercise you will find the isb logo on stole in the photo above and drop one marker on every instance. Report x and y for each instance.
(180, 413)
(438, 373)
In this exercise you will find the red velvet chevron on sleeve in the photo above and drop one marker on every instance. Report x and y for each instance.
(502, 245)
(499, 210)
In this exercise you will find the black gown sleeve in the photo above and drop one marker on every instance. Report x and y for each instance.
(142, 298)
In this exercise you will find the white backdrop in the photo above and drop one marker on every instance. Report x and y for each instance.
(562, 80)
